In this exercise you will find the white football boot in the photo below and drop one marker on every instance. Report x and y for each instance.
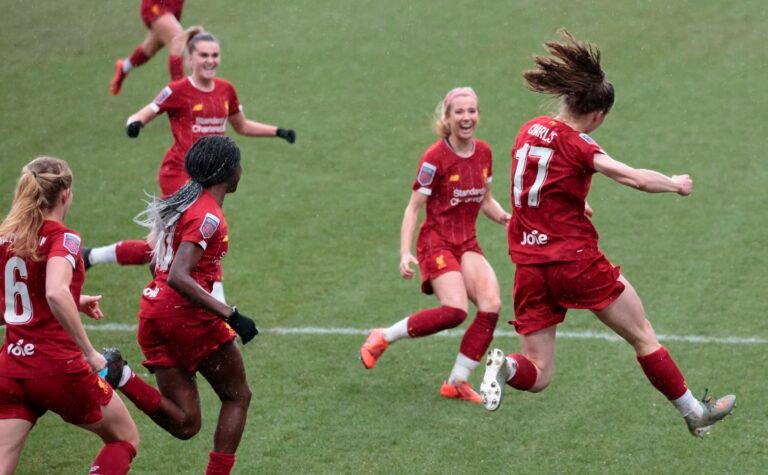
(713, 412)
(494, 380)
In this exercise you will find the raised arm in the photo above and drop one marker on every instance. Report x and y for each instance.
(649, 181)
(251, 128)
(407, 229)
(58, 277)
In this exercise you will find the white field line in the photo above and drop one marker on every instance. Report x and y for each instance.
(586, 335)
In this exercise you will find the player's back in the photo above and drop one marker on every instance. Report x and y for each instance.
(35, 342)
(552, 168)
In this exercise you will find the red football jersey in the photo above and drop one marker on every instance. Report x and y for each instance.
(552, 168)
(203, 224)
(36, 345)
(193, 114)
(456, 186)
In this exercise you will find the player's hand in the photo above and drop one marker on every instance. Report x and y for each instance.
(406, 272)
(89, 305)
(588, 212)
(684, 184)
(504, 220)
(242, 325)
(96, 360)
(289, 135)
(133, 129)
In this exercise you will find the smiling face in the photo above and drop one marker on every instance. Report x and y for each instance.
(462, 116)
(204, 60)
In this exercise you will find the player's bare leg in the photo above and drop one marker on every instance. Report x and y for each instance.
(13, 434)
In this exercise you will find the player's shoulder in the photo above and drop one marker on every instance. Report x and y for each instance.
(482, 146)
(222, 83)
(435, 152)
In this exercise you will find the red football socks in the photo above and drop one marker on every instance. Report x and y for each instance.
(478, 336)
(663, 373)
(526, 374)
(176, 67)
(133, 253)
(432, 320)
(114, 459)
(138, 57)
(219, 463)
(144, 396)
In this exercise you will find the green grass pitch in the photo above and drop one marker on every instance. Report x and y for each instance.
(315, 226)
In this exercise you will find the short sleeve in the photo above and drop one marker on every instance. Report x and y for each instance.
(429, 171)
(233, 103)
(199, 228)
(587, 147)
(165, 101)
(65, 244)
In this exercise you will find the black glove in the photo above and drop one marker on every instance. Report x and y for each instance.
(289, 135)
(134, 128)
(242, 325)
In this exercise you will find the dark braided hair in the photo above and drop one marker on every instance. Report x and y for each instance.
(572, 72)
(213, 159)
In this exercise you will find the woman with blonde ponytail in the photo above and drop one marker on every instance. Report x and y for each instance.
(558, 264)
(47, 361)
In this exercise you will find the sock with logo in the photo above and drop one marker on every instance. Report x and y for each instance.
(433, 320)
(663, 373)
(136, 59)
(114, 458)
(132, 253)
(219, 463)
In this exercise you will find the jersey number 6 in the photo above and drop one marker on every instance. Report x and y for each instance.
(15, 288)
(544, 154)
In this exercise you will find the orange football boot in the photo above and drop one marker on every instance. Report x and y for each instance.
(460, 390)
(373, 348)
(117, 80)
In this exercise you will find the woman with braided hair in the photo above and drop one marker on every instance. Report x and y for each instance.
(197, 106)
(47, 361)
(183, 328)
(554, 245)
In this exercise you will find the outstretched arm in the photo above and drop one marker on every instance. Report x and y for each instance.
(407, 228)
(138, 120)
(649, 181)
(251, 128)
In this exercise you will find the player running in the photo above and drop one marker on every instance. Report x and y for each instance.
(47, 361)
(197, 106)
(453, 182)
(183, 328)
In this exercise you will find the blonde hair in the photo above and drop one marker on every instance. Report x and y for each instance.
(39, 186)
(439, 124)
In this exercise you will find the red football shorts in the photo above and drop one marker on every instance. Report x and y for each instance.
(76, 397)
(171, 178)
(151, 10)
(544, 292)
(182, 341)
(435, 261)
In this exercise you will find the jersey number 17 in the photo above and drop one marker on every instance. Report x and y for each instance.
(544, 155)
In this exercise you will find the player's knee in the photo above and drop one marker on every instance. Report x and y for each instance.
(490, 304)
(188, 428)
